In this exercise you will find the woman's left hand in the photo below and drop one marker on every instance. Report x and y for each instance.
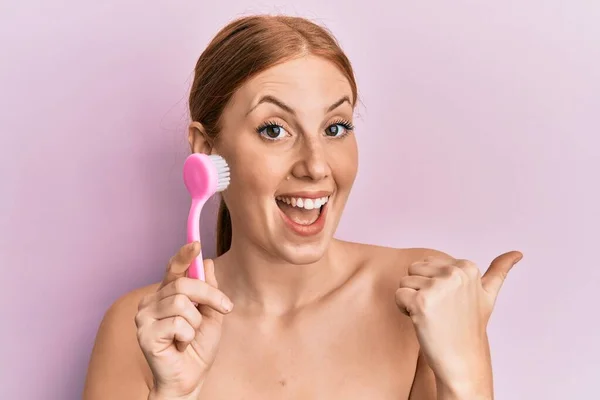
(450, 304)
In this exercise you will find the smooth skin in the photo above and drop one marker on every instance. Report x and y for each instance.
(283, 316)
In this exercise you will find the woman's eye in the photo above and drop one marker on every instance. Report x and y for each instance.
(273, 132)
(335, 130)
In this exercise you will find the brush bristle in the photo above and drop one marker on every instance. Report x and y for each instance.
(222, 171)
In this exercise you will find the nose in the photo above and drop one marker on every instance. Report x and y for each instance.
(312, 163)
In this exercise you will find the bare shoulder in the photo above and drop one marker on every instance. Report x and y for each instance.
(390, 259)
(117, 367)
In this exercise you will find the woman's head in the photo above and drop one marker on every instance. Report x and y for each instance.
(275, 95)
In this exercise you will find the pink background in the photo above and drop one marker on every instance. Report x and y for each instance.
(479, 134)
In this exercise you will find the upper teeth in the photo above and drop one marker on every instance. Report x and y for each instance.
(302, 202)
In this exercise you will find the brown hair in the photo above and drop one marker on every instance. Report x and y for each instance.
(242, 49)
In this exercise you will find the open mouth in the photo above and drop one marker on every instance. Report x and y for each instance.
(302, 211)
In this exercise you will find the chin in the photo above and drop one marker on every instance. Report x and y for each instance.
(303, 254)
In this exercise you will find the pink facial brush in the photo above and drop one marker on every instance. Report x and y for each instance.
(203, 176)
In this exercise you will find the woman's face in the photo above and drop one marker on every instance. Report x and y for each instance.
(287, 135)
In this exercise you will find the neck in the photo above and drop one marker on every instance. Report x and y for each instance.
(260, 282)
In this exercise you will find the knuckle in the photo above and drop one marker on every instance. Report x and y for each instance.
(180, 302)
(139, 320)
(453, 270)
(468, 270)
(179, 285)
(455, 274)
(179, 322)
(456, 282)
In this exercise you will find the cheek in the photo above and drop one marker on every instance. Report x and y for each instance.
(345, 164)
(255, 174)
(253, 184)
(241, 155)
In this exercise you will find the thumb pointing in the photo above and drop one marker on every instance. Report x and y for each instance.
(495, 275)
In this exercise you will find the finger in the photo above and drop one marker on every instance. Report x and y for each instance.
(211, 279)
(429, 269)
(495, 275)
(209, 272)
(415, 282)
(439, 256)
(405, 299)
(177, 305)
(180, 262)
(199, 292)
(167, 330)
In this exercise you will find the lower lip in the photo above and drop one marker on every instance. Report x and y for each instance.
(307, 230)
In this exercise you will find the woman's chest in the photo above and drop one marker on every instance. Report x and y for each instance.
(352, 355)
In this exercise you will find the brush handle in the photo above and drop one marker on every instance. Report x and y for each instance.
(196, 269)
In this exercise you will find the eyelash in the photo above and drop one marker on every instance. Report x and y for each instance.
(347, 125)
(267, 124)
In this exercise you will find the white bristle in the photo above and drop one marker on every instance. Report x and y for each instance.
(222, 171)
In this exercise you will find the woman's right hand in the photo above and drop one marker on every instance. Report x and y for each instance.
(178, 338)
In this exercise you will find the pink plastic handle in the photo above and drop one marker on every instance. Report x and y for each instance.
(196, 269)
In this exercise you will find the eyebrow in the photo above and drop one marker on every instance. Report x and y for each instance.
(285, 107)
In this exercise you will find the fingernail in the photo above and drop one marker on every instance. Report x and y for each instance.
(518, 259)
(226, 304)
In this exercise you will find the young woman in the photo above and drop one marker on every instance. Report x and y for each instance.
(288, 311)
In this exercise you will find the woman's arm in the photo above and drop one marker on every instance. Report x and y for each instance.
(423, 387)
(426, 387)
(118, 369)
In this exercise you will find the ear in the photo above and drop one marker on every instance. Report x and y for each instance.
(200, 142)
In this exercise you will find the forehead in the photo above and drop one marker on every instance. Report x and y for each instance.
(304, 83)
